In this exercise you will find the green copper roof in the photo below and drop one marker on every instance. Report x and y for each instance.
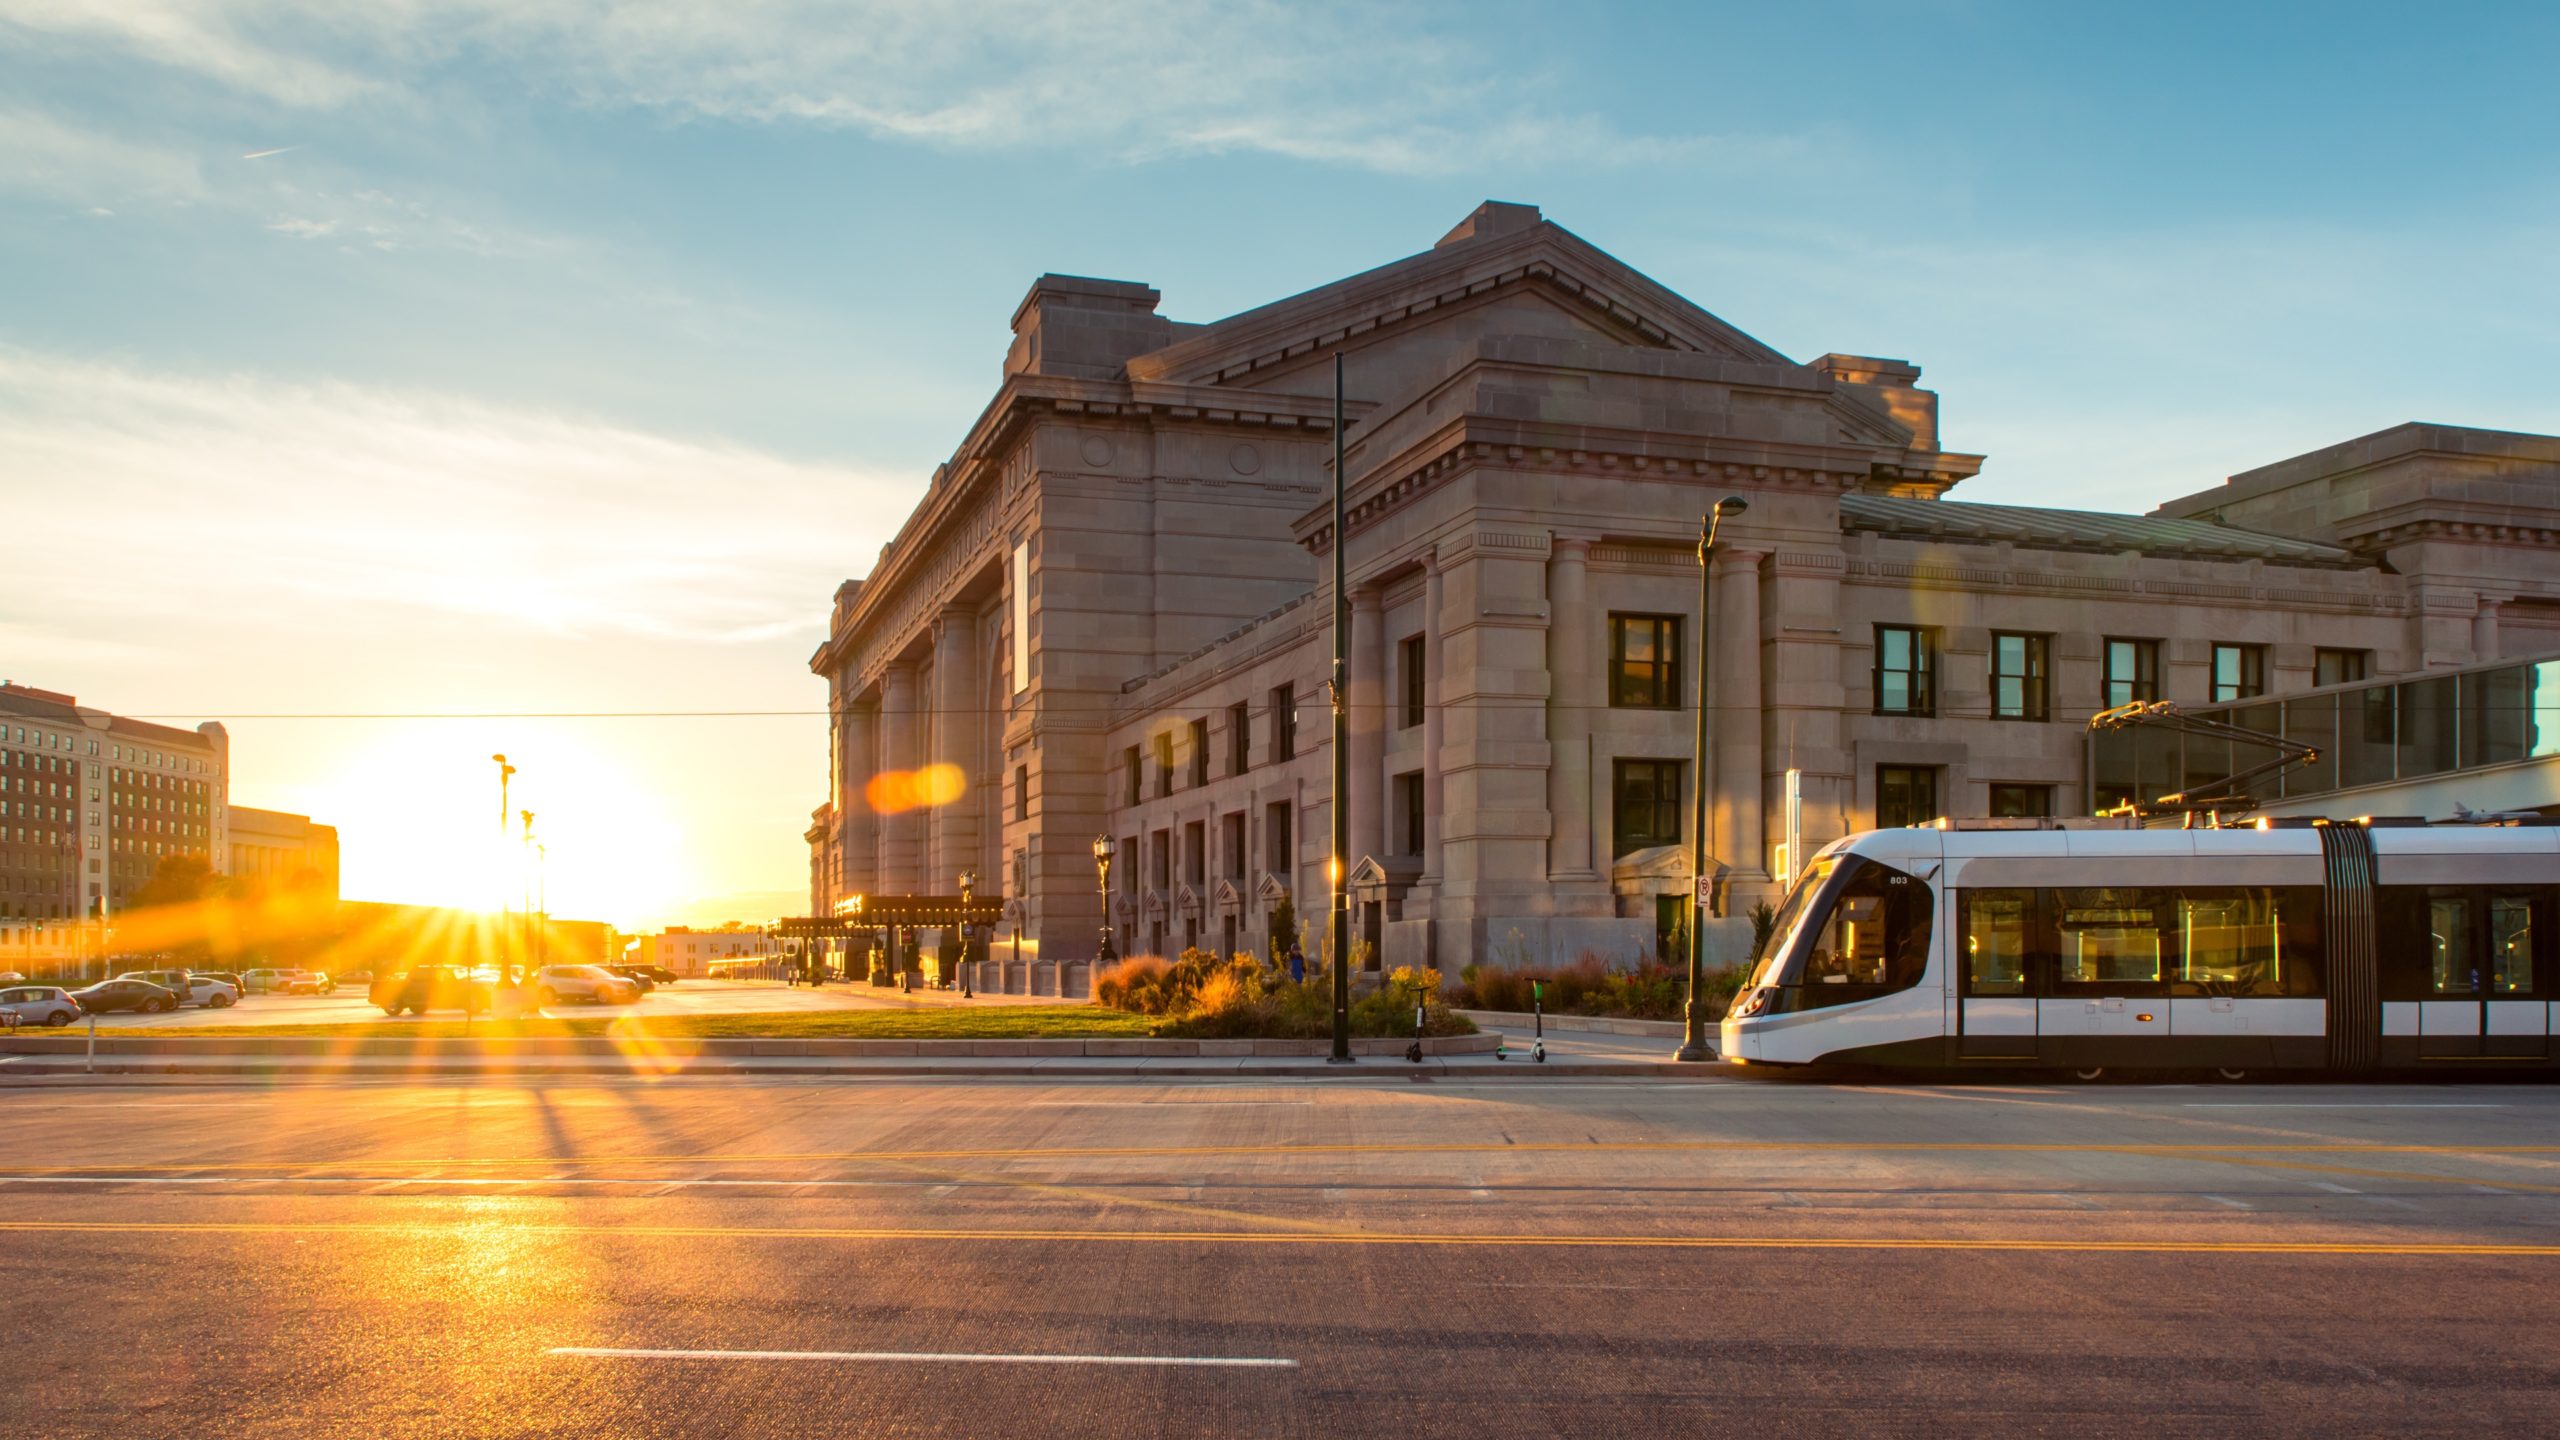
(2082, 530)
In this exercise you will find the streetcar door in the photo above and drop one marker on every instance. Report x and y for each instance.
(1996, 936)
(2514, 1016)
(2450, 1012)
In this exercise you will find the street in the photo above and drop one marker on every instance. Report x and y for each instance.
(1369, 1256)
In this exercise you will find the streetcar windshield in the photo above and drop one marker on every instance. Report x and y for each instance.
(1783, 929)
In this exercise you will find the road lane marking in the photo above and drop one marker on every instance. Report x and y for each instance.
(1571, 1147)
(2331, 1105)
(430, 1229)
(923, 1357)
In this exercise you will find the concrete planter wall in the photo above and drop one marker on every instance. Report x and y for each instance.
(554, 1048)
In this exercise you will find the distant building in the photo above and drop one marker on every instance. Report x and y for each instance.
(283, 851)
(692, 952)
(91, 803)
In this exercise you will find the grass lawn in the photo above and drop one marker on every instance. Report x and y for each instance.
(996, 1022)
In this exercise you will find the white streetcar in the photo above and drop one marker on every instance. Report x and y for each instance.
(2347, 946)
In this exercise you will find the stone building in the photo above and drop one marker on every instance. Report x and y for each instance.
(1109, 611)
(284, 851)
(91, 802)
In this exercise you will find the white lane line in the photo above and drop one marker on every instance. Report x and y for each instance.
(2325, 1105)
(2227, 1200)
(2332, 1187)
(921, 1357)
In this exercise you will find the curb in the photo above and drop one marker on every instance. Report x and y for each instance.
(1378, 1070)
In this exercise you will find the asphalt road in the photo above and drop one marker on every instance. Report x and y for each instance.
(1360, 1258)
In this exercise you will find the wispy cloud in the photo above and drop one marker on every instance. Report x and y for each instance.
(1378, 86)
(335, 507)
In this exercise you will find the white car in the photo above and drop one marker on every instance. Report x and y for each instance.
(591, 983)
(40, 1005)
(211, 993)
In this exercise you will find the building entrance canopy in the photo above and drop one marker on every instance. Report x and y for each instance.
(858, 913)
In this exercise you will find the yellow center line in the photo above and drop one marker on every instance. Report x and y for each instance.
(477, 1234)
(1575, 1147)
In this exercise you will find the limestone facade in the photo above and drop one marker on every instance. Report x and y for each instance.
(1110, 612)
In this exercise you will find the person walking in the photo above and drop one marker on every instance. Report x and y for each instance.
(1297, 964)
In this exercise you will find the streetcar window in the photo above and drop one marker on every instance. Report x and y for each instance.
(1998, 928)
(1782, 930)
(2450, 949)
(2248, 942)
(2510, 946)
(2112, 935)
(1867, 935)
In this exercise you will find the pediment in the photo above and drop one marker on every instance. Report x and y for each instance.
(1528, 277)
(1658, 862)
(1272, 890)
(1155, 902)
(1227, 893)
(1186, 898)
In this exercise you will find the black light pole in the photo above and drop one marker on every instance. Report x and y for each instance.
(505, 773)
(1104, 847)
(968, 929)
(1339, 870)
(1693, 1038)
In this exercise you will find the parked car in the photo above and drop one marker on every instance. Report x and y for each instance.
(176, 982)
(659, 973)
(633, 973)
(108, 996)
(262, 981)
(303, 982)
(238, 989)
(12, 977)
(40, 1005)
(590, 983)
(432, 987)
(211, 991)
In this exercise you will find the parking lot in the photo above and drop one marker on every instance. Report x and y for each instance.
(688, 997)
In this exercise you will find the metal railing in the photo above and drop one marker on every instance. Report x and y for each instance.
(2369, 732)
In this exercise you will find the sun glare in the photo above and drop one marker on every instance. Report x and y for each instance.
(419, 815)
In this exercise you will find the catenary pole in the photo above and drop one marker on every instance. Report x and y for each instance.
(1693, 1035)
(1338, 873)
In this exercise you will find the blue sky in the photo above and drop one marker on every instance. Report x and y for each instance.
(563, 356)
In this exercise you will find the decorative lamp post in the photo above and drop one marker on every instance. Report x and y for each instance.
(1104, 847)
(506, 772)
(967, 929)
(1693, 1037)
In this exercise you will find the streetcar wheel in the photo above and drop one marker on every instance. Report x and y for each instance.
(2091, 1072)
(2228, 1073)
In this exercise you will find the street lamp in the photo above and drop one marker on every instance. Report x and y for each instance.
(1104, 847)
(967, 928)
(506, 772)
(1693, 1038)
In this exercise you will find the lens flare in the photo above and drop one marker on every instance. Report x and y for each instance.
(893, 791)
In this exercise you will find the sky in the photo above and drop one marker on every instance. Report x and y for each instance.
(363, 367)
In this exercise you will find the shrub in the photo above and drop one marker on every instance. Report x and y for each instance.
(1205, 998)
(1589, 986)
(1764, 920)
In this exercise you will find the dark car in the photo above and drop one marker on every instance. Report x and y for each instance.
(109, 996)
(638, 975)
(659, 973)
(433, 987)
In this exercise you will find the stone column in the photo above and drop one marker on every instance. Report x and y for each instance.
(1734, 690)
(1435, 665)
(901, 748)
(1575, 696)
(2484, 630)
(857, 829)
(1367, 724)
(955, 742)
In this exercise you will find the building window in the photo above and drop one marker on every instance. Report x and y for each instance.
(1199, 752)
(1135, 771)
(1239, 738)
(1647, 812)
(1164, 764)
(2021, 802)
(1409, 816)
(2239, 672)
(1021, 792)
(1906, 795)
(1284, 723)
(1906, 656)
(2019, 689)
(2341, 667)
(1279, 848)
(1409, 657)
(2132, 672)
(1231, 840)
(1162, 870)
(1644, 662)
(1195, 854)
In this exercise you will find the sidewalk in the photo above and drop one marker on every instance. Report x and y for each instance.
(1567, 1058)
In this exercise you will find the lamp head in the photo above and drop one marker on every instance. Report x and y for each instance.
(1104, 847)
(1732, 505)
